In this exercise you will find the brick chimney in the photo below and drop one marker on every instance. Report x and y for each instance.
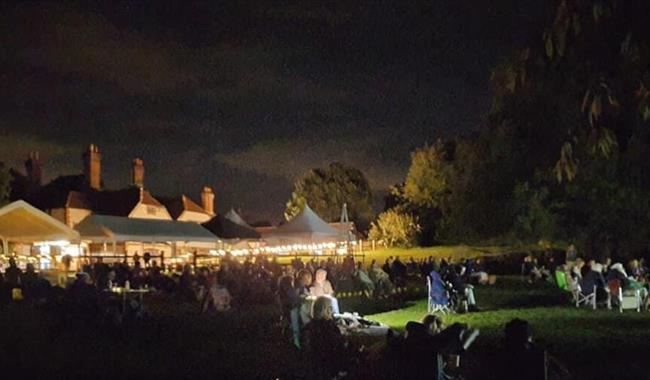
(207, 200)
(92, 167)
(33, 168)
(138, 172)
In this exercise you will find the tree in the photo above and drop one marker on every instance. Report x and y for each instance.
(327, 189)
(427, 177)
(395, 228)
(5, 180)
(565, 137)
(425, 191)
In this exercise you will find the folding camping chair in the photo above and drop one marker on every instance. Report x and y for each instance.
(631, 300)
(582, 298)
(438, 297)
(560, 280)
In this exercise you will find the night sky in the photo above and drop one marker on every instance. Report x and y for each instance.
(247, 96)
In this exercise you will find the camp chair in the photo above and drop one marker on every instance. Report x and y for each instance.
(624, 301)
(581, 298)
(438, 297)
(560, 280)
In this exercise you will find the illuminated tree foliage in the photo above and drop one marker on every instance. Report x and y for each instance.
(426, 180)
(327, 189)
(394, 228)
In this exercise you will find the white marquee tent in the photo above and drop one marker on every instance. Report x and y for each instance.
(105, 228)
(21, 222)
(305, 228)
(234, 217)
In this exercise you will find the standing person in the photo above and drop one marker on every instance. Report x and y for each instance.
(13, 274)
(301, 284)
(290, 305)
(387, 266)
(571, 254)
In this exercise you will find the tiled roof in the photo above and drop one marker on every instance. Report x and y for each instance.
(176, 205)
(70, 191)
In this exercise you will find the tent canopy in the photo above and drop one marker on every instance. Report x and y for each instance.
(234, 217)
(23, 223)
(306, 227)
(115, 228)
(227, 229)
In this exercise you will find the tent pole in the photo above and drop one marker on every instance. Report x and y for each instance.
(79, 255)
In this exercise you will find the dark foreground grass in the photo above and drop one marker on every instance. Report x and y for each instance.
(174, 342)
(600, 344)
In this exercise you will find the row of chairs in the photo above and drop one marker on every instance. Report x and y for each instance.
(615, 296)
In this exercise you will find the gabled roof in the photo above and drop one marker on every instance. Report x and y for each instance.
(108, 228)
(176, 205)
(227, 229)
(71, 191)
(234, 217)
(21, 222)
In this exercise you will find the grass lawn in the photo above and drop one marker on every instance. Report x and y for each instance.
(599, 344)
(457, 252)
(175, 341)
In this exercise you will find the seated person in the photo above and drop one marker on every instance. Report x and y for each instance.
(325, 348)
(628, 284)
(519, 358)
(591, 280)
(322, 287)
(381, 279)
(518, 355)
(364, 280)
(616, 272)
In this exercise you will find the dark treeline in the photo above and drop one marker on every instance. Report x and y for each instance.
(564, 155)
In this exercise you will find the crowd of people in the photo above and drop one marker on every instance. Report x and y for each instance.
(593, 275)
(306, 295)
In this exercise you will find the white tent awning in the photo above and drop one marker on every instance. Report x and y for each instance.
(104, 228)
(21, 222)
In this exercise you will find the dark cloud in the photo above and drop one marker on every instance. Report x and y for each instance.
(245, 96)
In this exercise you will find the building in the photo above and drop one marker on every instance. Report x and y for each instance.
(72, 199)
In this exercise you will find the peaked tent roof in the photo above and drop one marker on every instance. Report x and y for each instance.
(234, 217)
(22, 222)
(307, 225)
(225, 228)
(108, 228)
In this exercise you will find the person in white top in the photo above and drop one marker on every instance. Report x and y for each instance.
(322, 287)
